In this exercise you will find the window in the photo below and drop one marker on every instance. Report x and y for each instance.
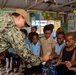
(41, 23)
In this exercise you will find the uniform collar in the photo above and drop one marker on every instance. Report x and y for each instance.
(35, 44)
(46, 39)
(61, 44)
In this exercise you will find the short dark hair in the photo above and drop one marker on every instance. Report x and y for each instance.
(48, 27)
(61, 33)
(34, 34)
(30, 34)
(16, 15)
(34, 27)
(24, 31)
(71, 34)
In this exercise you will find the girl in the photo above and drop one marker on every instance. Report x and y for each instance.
(67, 54)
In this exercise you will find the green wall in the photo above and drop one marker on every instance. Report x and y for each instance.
(65, 25)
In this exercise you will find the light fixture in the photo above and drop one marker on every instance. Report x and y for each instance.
(35, 1)
(55, 0)
(25, 1)
(50, 0)
(46, 0)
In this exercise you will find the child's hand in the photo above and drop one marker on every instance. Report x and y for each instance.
(58, 63)
(51, 57)
(72, 68)
(48, 63)
(68, 64)
(2, 56)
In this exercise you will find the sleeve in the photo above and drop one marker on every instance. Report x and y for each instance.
(53, 43)
(40, 41)
(17, 42)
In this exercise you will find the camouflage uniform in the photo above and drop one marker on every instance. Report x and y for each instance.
(11, 36)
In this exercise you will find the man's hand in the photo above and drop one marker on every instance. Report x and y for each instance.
(51, 57)
(45, 58)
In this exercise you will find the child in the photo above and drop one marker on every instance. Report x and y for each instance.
(15, 60)
(67, 54)
(60, 29)
(35, 48)
(24, 32)
(27, 36)
(34, 29)
(27, 67)
(28, 39)
(72, 65)
(48, 45)
(2, 59)
(60, 43)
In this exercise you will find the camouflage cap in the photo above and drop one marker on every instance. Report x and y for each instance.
(23, 13)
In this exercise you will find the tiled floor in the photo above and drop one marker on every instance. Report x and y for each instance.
(3, 71)
(22, 70)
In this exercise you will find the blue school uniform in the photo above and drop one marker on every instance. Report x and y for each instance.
(14, 58)
(59, 47)
(11, 50)
(35, 48)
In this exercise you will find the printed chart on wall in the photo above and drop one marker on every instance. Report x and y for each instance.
(71, 25)
(57, 24)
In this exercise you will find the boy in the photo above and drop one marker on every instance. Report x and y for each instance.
(34, 29)
(15, 60)
(47, 44)
(35, 48)
(28, 39)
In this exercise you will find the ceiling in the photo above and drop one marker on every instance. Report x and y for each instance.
(44, 5)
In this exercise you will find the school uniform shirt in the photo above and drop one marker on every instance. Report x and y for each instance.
(59, 47)
(35, 48)
(47, 44)
(11, 50)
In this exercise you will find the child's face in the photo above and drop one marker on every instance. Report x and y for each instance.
(47, 33)
(33, 29)
(35, 39)
(69, 41)
(60, 39)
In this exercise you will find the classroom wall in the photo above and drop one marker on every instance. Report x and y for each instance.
(36, 15)
(40, 15)
(71, 21)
